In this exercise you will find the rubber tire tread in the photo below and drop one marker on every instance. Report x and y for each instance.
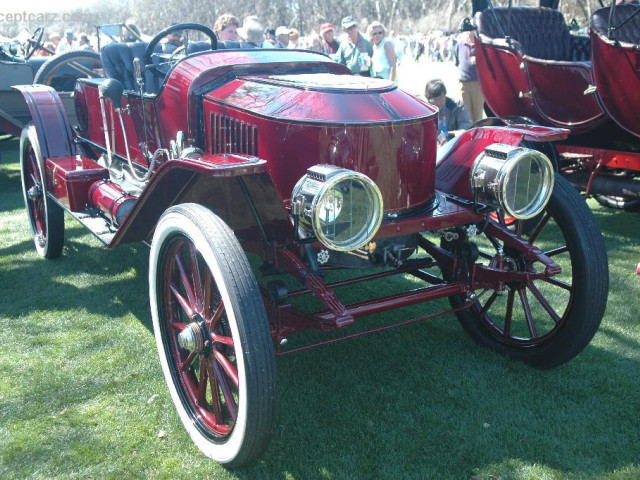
(54, 212)
(255, 336)
(590, 267)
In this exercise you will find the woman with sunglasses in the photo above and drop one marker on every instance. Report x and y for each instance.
(384, 60)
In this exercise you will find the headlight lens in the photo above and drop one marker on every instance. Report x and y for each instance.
(340, 207)
(330, 206)
(516, 179)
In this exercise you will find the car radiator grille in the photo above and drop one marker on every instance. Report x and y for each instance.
(229, 135)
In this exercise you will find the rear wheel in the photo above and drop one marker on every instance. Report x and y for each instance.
(45, 216)
(544, 322)
(212, 335)
(61, 71)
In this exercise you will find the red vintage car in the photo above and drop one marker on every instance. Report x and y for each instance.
(284, 157)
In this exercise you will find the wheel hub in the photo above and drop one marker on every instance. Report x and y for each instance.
(194, 337)
(509, 261)
(34, 193)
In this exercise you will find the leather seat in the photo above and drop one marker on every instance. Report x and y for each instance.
(195, 47)
(542, 32)
(117, 62)
(231, 45)
(628, 32)
(201, 46)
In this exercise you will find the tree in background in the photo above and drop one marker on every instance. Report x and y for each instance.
(401, 16)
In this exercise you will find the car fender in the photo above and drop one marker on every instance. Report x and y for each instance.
(456, 158)
(235, 187)
(50, 120)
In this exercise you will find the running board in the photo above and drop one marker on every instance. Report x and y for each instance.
(96, 223)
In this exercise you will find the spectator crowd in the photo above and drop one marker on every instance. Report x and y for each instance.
(369, 54)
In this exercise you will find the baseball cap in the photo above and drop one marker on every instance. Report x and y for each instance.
(325, 27)
(282, 30)
(69, 34)
(348, 22)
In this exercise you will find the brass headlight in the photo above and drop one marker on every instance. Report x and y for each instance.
(516, 179)
(340, 207)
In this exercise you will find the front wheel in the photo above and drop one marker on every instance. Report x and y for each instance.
(544, 322)
(212, 335)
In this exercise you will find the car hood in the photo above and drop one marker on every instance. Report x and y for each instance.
(321, 98)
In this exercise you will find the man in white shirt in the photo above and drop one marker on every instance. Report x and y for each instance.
(282, 36)
(69, 43)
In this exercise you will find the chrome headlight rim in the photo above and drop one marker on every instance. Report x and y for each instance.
(310, 193)
(540, 200)
(368, 230)
(499, 162)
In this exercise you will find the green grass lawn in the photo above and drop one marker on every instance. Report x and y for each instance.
(82, 394)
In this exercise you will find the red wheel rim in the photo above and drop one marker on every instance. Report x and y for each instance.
(551, 297)
(35, 197)
(207, 381)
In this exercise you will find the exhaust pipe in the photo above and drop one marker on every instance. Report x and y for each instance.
(605, 185)
(112, 200)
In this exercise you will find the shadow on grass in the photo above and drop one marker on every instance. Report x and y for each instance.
(451, 411)
(116, 280)
(10, 185)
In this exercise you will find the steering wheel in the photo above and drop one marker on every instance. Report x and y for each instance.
(33, 43)
(149, 52)
(181, 51)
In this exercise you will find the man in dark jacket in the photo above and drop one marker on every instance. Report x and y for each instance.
(355, 51)
(465, 59)
(453, 117)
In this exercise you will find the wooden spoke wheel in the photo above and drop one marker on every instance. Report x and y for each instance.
(212, 335)
(544, 322)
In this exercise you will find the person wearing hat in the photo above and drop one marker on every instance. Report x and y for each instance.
(132, 32)
(464, 56)
(48, 48)
(355, 51)
(282, 36)
(329, 44)
(68, 44)
(54, 38)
